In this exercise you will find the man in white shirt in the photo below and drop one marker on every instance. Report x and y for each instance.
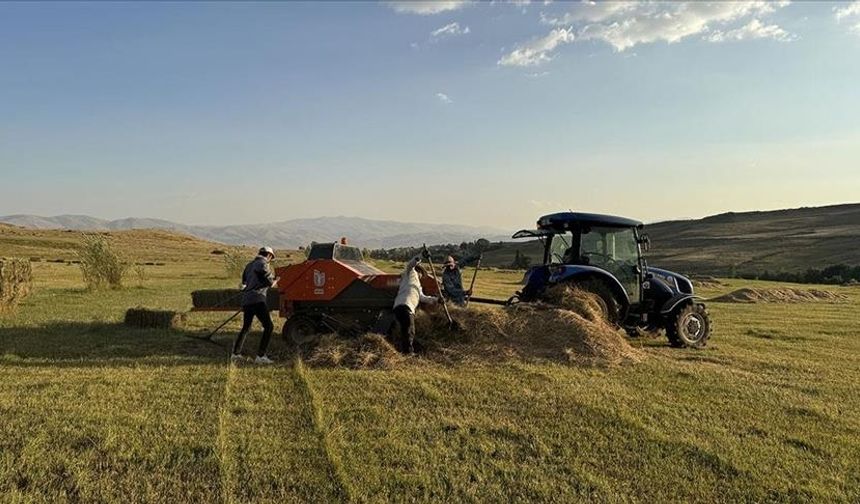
(409, 296)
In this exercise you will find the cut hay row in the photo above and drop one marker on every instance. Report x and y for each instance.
(779, 295)
(226, 299)
(160, 319)
(527, 332)
(16, 281)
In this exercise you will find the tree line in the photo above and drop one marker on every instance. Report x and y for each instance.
(835, 274)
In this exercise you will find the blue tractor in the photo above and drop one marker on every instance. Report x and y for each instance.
(603, 254)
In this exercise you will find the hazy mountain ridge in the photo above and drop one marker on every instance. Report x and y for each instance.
(285, 234)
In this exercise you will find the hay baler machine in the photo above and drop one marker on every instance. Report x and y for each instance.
(335, 290)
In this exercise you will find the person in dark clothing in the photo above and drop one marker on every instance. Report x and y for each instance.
(257, 278)
(452, 283)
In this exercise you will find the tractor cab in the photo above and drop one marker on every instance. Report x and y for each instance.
(603, 254)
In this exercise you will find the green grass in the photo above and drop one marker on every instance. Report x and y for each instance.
(92, 411)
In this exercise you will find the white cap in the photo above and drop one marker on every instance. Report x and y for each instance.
(267, 250)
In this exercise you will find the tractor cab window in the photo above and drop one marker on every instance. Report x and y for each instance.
(613, 249)
(560, 249)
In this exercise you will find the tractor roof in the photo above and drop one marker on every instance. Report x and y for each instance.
(565, 220)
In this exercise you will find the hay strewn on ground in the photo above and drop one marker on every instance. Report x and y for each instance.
(706, 282)
(16, 281)
(227, 299)
(368, 351)
(159, 319)
(779, 295)
(528, 332)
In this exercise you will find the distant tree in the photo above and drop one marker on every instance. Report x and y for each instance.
(521, 261)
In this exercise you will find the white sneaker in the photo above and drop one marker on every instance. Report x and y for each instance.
(262, 359)
(235, 357)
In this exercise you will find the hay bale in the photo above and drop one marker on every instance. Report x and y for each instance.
(158, 319)
(16, 281)
(779, 295)
(228, 299)
(369, 351)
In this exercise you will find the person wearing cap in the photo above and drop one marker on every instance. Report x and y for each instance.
(452, 282)
(257, 278)
(409, 296)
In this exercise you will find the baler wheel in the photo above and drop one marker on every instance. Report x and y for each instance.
(302, 331)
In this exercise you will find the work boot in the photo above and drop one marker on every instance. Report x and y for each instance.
(262, 359)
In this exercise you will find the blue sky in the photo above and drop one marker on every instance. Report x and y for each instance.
(459, 112)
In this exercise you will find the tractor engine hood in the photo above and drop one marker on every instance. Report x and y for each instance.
(678, 283)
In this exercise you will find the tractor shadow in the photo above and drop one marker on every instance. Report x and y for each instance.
(79, 344)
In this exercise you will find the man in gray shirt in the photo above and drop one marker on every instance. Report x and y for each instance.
(256, 281)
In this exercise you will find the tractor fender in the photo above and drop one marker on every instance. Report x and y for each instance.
(677, 300)
(560, 274)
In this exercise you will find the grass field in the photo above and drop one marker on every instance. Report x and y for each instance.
(92, 411)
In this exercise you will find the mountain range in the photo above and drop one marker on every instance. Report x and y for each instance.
(288, 234)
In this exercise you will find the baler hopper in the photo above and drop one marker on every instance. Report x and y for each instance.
(334, 290)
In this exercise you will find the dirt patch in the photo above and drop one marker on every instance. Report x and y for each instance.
(526, 332)
(779, 295)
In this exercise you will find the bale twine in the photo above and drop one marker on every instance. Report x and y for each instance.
(228, 299)
(16, 281)
(159, 319)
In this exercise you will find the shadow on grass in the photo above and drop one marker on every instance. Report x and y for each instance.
(112, 344)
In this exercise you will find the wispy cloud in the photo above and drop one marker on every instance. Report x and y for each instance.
(426, 7)
(851, 13)
(450, 30)
(442, 97)
(539, 50)
(624, 25)
(755, 29)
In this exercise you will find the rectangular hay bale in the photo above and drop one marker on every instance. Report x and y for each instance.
(157, 319)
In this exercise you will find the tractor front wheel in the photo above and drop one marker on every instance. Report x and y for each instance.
(689, 326)
(302, 331)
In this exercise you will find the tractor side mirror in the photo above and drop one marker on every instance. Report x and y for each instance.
(645, 242)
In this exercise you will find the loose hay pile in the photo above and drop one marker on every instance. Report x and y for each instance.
(227, 299)
(369, 351)
(528, 332)
(779, 295)
(16, 281)
(157, 319)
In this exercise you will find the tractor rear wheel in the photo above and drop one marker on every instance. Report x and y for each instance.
(302, 331)
(689, 326)
(609, 307)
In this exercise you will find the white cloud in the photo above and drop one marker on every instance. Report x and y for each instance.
(851, 13)
(755, 29)
(847, 11)
(444, 98)
(536, 75)
(626, 24)
(426, 7)
(539, 50)
(450, 30)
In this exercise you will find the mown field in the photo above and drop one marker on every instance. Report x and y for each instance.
(92, 411)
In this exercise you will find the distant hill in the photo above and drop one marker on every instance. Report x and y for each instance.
(744, 242)
(289, 234)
